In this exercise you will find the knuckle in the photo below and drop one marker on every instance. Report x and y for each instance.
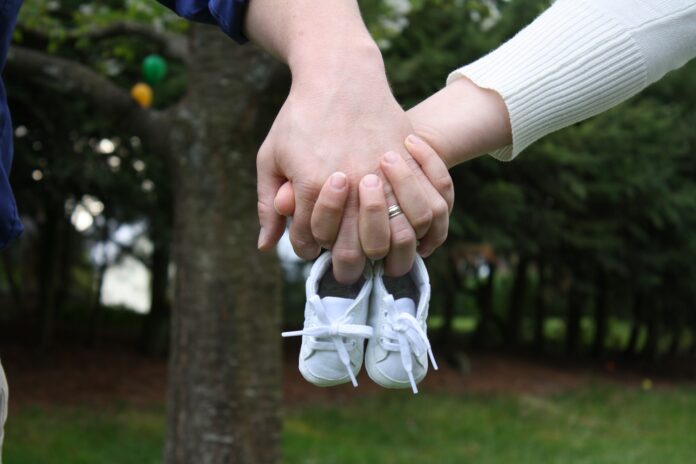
(403, 238)
(441, 238)
(264, 208)
(373, 208)
(265, 154)
(324, 238)
(328, 207)
(423, 221)
(306, 189)
(376, 252)
(406, 176)
(347, 256)
(413, 164)
(440, 208)
(304, 247)
(445, 185)
(306, 253)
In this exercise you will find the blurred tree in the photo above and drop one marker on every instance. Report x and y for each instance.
(594, 214)
(224, 388)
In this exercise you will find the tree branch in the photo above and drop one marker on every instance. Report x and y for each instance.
(173, 45)
(75, 79)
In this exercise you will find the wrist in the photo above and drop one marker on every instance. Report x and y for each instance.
(462, 121)
(356, 59)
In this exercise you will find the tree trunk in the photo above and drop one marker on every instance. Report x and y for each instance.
(519, 291)
(484, 298)
(450, 285)
(64, 274)
(10, 278)
(540, 315)
(636, 324)
(676, 339)
(96, 314)
(154, 335)
(652, 323)
(447, 331)
(225, 352)
(49, 259)
(600, 315)
(573, 319)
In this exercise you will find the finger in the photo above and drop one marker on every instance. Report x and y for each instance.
(373, 222)
(347, 256)
(272, 223)
(284, 202)
(402, 242)
(439, 225)
(434, 168)
(408, 191)
(301, 238)
(328, 210)
(437, 234)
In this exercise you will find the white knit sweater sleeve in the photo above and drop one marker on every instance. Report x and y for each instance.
(580, 58)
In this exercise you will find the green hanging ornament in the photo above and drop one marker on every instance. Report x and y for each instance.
(154, 69)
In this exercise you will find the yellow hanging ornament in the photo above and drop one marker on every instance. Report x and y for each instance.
(142, 94)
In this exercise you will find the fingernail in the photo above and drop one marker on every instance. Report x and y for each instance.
(371, 181)
(262, 238)
(339, 180)
(413, 139)
(391, 158)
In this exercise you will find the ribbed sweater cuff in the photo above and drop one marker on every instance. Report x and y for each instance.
(572, 63)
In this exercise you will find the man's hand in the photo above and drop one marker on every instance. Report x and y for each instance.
(342, 120)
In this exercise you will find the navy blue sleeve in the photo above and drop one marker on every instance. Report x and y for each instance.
(228, 14)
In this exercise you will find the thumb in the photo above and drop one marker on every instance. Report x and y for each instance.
(272, 223)
(284, 202)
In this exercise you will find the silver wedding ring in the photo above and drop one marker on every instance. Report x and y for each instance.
(393, 211)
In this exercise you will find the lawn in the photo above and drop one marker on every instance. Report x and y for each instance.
(596, 425)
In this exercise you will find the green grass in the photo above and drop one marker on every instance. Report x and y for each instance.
(599, 425)
(83, 436)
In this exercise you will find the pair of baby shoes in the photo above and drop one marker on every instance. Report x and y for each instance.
(389, 313)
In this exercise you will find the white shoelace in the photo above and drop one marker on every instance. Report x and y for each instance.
(410, 338)
(335, 331)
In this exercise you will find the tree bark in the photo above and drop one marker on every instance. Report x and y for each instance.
(652, 324)
(573, 319)
(96, 313)
(485, 296)
(636, 324)
(154, 335)
(10, 279)
(540, 315)
(49, 259)
(519, 291)
(225, 353)
(600, 315)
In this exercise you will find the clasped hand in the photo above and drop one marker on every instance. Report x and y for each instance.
(340, 152)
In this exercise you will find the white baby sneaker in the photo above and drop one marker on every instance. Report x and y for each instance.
(397, 354)
(335, 326)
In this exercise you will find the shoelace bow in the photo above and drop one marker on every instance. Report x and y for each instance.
(335, 331)
(410, 338)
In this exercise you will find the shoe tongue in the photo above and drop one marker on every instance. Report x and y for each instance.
(335, 306)
(406, 305)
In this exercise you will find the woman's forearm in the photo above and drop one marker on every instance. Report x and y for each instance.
(462, 121)
(578, 59)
